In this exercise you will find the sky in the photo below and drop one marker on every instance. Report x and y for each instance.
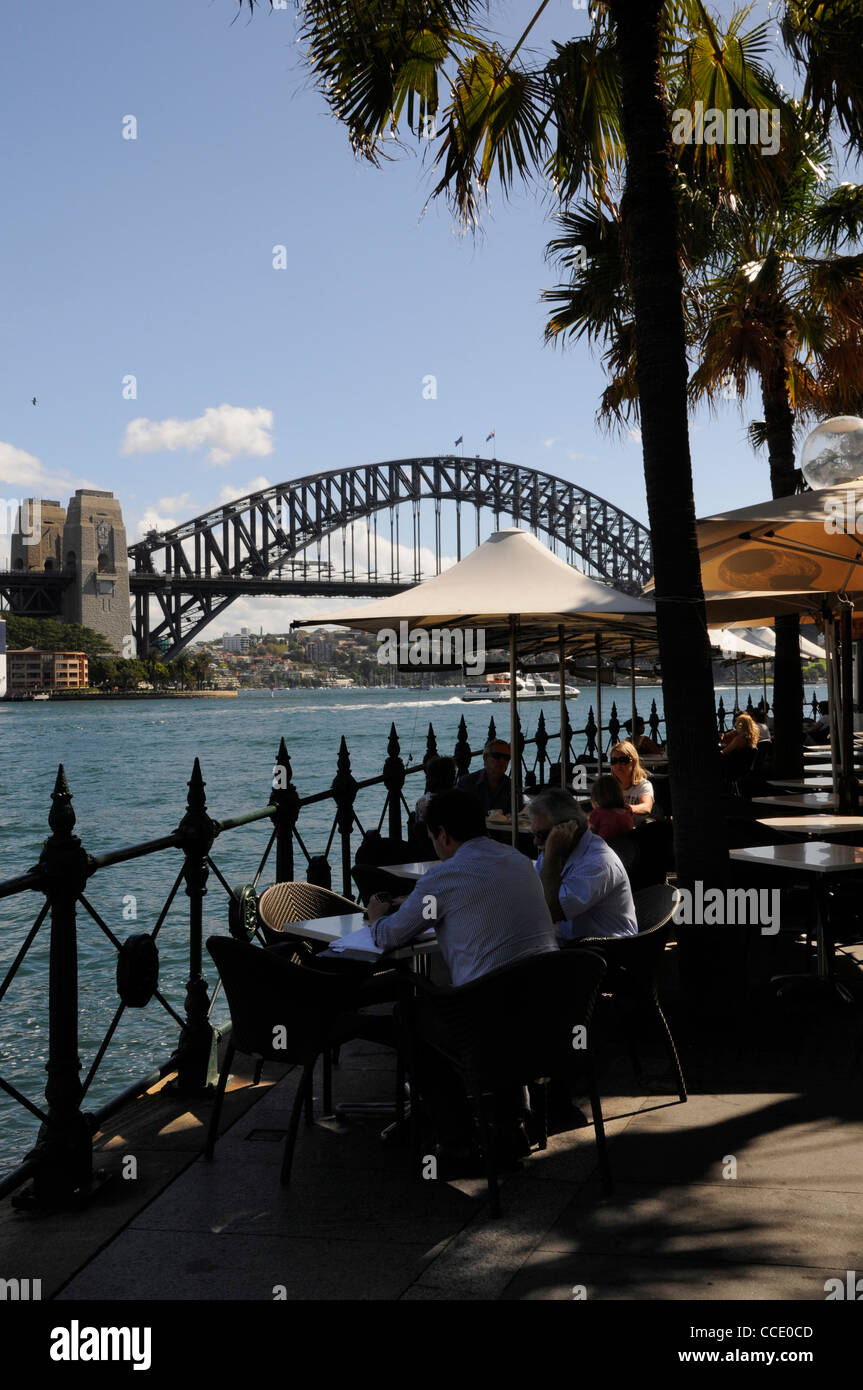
(174, 364)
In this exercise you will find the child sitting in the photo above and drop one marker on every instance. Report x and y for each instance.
(610, 815)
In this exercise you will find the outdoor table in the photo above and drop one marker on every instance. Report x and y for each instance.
(809, 801)
(412, 871)
(330, 929)
(819, 862)
(806, 784)
(824, 824)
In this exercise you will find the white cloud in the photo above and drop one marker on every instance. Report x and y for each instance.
(229, 492)
(227, 431)
(634, 435)
(175, 504)
(574, 455)
(152, 521)
(549, 443)
(28, 475)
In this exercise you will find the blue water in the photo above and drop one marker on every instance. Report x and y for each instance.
(128, 764)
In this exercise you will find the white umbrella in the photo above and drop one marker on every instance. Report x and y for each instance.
(511, 587)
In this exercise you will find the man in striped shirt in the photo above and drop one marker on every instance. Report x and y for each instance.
(484, 900)
(488, 908)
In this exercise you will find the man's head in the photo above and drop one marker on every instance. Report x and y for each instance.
(495, 760)
(452, 818)
(552, 807)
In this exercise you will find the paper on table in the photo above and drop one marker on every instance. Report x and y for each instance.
(361, 940)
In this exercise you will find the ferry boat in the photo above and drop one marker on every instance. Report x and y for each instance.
(527, 687)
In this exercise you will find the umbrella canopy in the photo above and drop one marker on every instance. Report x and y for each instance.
(806, 544)
(517, 591)
(512, 574)
(757, 642)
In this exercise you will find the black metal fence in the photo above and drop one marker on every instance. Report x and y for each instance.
(61, 1163)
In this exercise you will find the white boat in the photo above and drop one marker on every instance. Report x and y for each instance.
(528, 687)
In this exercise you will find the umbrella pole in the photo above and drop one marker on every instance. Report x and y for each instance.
(736, 691)
(564, 751)
(598, 641)
(515, 762)
(632, 684)
(764, 684)
(848, 784)
(830, 648)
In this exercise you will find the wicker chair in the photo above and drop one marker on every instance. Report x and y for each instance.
(285, 903)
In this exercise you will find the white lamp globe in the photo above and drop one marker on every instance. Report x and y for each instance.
(833, 452)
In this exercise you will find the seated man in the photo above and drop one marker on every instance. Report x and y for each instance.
(585, 884)
(491, 786)
(488, 910)
(484, 900)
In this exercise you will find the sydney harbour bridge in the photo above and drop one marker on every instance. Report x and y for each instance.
(370, 530)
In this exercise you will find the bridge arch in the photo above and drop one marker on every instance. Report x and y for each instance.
(260, 543)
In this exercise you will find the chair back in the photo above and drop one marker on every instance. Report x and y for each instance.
(279, 1011)
(518, 1023)
(284, 903)
(634, 960)
(625, 847)
(370, 880)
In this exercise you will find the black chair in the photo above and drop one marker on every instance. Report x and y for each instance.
(626, 848)
(273, 1001)
(633, 967)
(370, 880)
(519, 1025)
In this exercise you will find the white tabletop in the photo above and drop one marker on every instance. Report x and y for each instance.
(810, 801)
(414, 870)
(813, 857)
(331, 929)
(806, 784)
(825, 824)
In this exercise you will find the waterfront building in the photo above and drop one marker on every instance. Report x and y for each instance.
(30, 669)
(236, 642)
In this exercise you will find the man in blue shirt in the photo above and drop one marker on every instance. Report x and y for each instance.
(585, 884)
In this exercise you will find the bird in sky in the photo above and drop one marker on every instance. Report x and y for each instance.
(35, 401)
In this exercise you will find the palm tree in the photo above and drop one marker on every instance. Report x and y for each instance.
(825, 38)
(767, 295)
(574, 121)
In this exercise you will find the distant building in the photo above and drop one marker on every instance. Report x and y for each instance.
(319, 651)
(236, 642)
(31, 669)
(87, 542)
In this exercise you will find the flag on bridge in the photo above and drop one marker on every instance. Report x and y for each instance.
(460, 440)
(489, 436)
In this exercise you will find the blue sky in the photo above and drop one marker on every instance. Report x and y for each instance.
(153, 257)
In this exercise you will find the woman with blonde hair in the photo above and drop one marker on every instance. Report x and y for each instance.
(637, 789)
(739, 750)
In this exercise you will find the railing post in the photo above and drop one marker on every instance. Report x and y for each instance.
(720, 715)
(541, 746)
(344, 791)
(614, 725)
(492, 731)
(286, 799)
(653, 722)
(197, 1066)
(461, 752)
(394, 780)
(65, 1152)
(566, 746)
(431, 743)
(590, 734)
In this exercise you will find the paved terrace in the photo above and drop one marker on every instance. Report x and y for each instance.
(774, 1085)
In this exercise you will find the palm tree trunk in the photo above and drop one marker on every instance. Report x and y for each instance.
(651, 222)
(787, 674)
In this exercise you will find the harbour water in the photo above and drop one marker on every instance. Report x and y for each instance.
(128, 765)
